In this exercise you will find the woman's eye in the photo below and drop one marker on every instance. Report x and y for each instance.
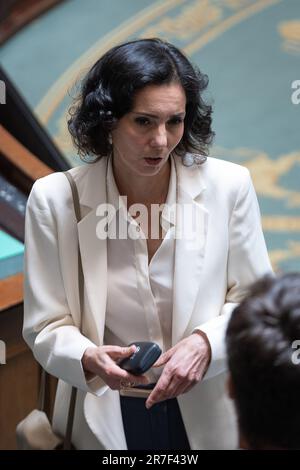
(142, 121)
(175, 121)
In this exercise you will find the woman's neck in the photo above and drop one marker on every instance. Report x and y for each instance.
(143, 189)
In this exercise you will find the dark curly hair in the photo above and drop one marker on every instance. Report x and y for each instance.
(261, 338)
(108, 91)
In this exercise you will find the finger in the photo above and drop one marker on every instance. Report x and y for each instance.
(168, 386)
(159, 393)
(136, 379)
(178, 388)
(117, 352)
(173, 389)
(121, 374)
(185, 385)
(163, 359)
(152, 399)
(155, 397)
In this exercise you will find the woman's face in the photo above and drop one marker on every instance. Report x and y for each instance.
(144, 138)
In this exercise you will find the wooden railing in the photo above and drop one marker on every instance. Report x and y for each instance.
(15, 14)
(20, 158)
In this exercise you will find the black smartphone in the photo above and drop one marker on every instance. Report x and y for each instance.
(142, 359)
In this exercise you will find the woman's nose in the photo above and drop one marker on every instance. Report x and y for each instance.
(159, 137)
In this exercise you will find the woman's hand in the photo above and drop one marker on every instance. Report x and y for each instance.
(185, 365)
(101, 361)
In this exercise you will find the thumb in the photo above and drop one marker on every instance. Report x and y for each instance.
(163, 359)
(119, 352)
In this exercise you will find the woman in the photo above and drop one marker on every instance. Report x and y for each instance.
(142, 117)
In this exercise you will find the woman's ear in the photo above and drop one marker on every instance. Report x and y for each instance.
(230, 387)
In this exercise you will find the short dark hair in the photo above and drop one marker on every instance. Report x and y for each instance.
(108, 91)
(266, 381)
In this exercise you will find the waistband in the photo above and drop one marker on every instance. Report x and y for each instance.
(141, 391)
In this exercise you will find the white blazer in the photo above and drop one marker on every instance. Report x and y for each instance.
(209, 280)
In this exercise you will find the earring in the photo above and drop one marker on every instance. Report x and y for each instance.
(199, 159)
(109, 139)
(190, 159)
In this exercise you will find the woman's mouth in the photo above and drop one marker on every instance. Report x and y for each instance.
(153, 161)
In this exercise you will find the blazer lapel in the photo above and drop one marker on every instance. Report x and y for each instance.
(191, 233)
(92, 192)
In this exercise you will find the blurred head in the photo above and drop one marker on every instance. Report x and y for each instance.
(264, 364)
(151, 73)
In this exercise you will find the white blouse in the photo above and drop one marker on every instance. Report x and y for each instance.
(140, 296)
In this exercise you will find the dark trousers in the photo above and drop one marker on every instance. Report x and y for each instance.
(160, 428)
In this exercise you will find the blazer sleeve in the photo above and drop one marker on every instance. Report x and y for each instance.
(247, 261)
(49, 327)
